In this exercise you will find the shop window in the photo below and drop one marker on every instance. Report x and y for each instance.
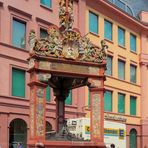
(109, 66)
(18, 33)
(17, 133)
(133, 73)
(121, 103)
(48, 93)
(46, 3)
(93, 23)
(68, 100)
(121, 70)
(132, 105)
(108, 101)
(43, 33)
(121, 37)
(132, 42)
(107, 30)
(18, 82)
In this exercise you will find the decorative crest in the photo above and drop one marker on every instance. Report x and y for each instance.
(65, 41)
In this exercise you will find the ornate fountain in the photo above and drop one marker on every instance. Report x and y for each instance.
(65, 60)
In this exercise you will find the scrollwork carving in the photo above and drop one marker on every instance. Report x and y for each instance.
(67, 42)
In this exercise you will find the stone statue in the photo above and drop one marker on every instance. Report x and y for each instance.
(32, 40)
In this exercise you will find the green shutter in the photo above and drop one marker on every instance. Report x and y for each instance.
(18, 82)
(121, 37)
(108, 101)
(133, 42)
(93, 23)
(133, 138)
(121, 70)
(132, 73)
(121, 103)
(68, 100)
(109, 66)
(47, 93)
(132, 105)
(107, 30)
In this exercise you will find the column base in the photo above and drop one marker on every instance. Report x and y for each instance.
(69, 144)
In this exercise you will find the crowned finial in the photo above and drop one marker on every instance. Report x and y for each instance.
(66, 14)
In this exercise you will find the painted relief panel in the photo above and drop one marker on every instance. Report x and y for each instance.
(96, 116)
(68, 68)
(32, 113)
(40, 111)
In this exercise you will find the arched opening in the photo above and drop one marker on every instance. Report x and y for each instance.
(48, 127)
(133, 138)
(49, 130)
(17, 133)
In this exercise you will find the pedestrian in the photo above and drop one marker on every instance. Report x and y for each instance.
(19, 145)
(112, 145)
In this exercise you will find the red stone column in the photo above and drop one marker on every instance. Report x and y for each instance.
(97, 115)
(37, 112)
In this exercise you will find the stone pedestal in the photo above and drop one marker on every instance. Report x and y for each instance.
(97, 117)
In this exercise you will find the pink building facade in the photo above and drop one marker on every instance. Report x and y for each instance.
(14, 110)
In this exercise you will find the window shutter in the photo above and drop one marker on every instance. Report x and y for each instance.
(18, 82)
(108, 101)
(121, 103)
(47, 93)
(132, 105)
(108, 30)
(68, 100)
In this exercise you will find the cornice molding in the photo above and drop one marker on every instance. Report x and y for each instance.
(28, 15)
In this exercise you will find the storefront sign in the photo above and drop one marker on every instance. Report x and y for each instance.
(114, 117)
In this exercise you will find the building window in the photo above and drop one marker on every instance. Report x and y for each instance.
(121, 70)
(120, 4)
(43, 33)
(18, 33)
(121, 103)
(133, 73)
(47, 93)
(18, 130)
(129, 11)
(121, 37)
(107, 30)
(133, 42)
(93, 23)
(109, 66)
(46, 3)
(68, 100)
(133, 138)
(108, 101)
(132, 105)
(18, 82)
